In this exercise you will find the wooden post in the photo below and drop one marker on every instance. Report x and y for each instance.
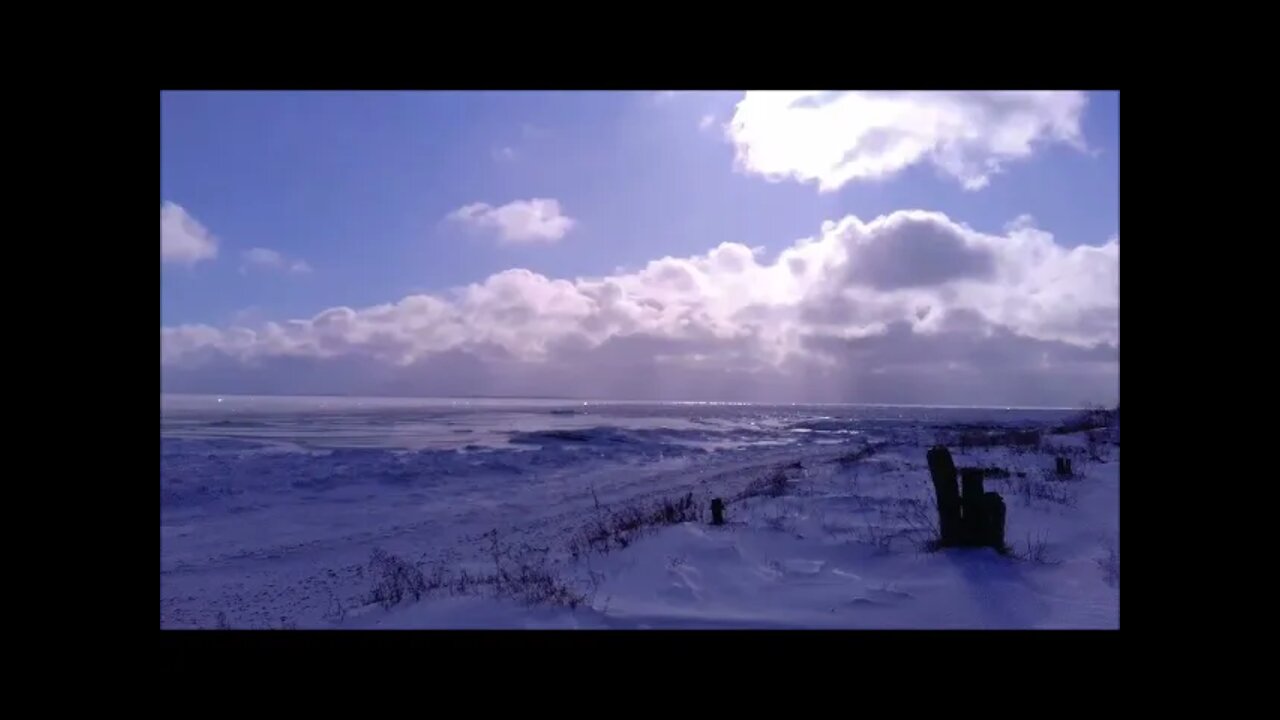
(1063, 466)
(993, 521)
(971, 506)
(943, 471)
(717, 511)
(972, 519)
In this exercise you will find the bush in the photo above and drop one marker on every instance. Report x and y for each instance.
(621, 528)
(920, 518)
(335, 612)
(1036, 550)
(772, 485)
(525, 576)
(1052, 492)
(393, 579)
(536, 584)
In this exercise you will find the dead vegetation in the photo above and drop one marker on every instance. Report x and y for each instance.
(992, 437)
(1093, 418)
(394, 579)
(859, 455)
(772, 485)
(1048, 490)
(527, 575)
(523, 574)
(1035, 549)
(619, 529)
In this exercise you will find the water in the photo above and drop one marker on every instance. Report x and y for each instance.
(453, 423)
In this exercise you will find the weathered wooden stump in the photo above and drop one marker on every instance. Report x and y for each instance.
(717, 511)
(972, 518)
(993, 513)
(971, 504)
(943, 471)
(1063, 466)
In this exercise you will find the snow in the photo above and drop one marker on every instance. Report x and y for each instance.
(272, 530)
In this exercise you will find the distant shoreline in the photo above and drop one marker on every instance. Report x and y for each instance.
(616, 401)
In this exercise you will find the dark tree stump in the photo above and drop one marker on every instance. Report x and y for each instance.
(971, 507)
(943, 471)
(717, 511)
(973, 518)
(993, 513)
(1063, 466)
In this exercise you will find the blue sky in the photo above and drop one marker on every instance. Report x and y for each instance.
(320, 200)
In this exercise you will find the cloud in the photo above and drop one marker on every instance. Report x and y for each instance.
(183, 240)
(267, 259)
(916, 250)
(706, 121)
(834, 138)
(248, 316)
(521, 222)
(503, 154)
(908, 307)
(1021, 222)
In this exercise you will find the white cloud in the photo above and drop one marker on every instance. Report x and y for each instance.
(263, 257)
(524, 221)
(833, 138)
(910, 307)
(1022, 222)
(183, 240)
(268, 259)
(247, 316)
(707, 121)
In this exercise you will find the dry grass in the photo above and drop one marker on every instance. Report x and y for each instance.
(619, 529)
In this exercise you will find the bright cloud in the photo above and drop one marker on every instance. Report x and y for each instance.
(907, 307)
(834, 138)
(524, 221)
(268, 259)
(183, 240)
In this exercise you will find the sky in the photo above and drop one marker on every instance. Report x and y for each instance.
(952, 247)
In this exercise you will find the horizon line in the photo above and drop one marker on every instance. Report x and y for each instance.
(606, 401)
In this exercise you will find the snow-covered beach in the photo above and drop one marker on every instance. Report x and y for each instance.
(303, 512)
